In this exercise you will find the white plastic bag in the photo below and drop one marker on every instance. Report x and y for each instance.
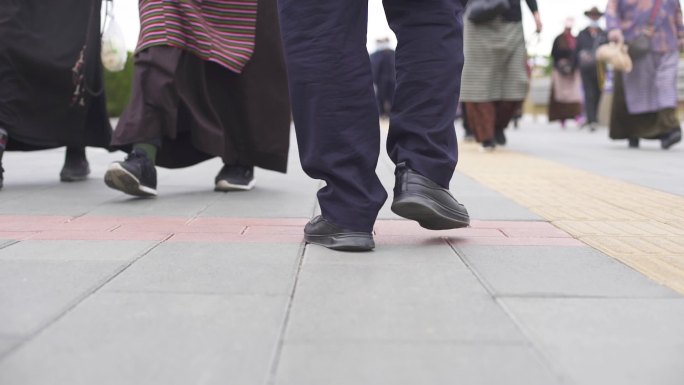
(114, 52)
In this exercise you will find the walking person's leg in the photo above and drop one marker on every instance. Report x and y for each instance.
(422, 138)
(335, 115)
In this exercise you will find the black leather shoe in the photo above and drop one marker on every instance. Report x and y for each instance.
(134, 176)
(671, 138)
(424, 201)
(321, 232)
(74, 170)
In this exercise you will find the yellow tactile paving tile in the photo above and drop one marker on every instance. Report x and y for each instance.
(642, 227)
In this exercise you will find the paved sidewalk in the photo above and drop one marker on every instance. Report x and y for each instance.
(198, 287)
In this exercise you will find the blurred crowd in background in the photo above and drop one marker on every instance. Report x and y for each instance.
(54, 91)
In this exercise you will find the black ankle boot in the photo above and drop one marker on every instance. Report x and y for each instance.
(76, 167)
(671, 138)
(633, 142)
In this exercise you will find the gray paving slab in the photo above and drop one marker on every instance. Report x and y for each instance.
(601, 322)
(620, 365)
(58, 199)
(8, 342)
(428, 254)
(552, 271)
(275, 196)
(221, 268)
(608, 341)
(410, 302)
(176, 201)
(410, 364)
(65, 251)
(165, 339)
(35, 292)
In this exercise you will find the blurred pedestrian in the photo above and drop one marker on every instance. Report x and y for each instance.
(51, 81)
(382, 63)
(588, 41)
(336, 117)
(566, 92)
(209, 81)
(645, 99)
(495, 80)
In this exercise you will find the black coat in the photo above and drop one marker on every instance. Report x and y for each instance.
(40, 72)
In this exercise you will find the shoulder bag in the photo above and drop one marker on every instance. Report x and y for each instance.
(482, 11)
(641, 45)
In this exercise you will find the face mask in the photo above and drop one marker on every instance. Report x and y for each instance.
(594, 24)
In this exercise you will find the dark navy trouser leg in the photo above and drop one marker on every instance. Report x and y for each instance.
(429, 61)
(334, 108)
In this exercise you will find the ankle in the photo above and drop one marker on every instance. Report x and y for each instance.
(150, 150)
(75, 154)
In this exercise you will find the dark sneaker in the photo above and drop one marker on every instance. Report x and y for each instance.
(135, 176)
(671, 138)
(500, 137)
(235, 178)
(424, 201)
(321, 232)
(75, 170)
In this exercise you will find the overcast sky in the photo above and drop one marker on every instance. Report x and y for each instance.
(553, 14)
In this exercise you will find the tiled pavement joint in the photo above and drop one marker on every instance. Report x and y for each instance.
(277, 354)
(543, 357)
(81, 298)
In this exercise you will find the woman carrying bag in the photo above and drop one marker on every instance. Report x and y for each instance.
(645, 99)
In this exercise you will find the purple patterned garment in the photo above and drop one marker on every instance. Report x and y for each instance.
(632, 16)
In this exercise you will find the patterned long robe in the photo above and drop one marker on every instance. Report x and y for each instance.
(221, 31)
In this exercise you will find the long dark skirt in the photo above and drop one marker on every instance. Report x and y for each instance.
(48, 97)
(650, 125)
(485, 118)
(202, 110)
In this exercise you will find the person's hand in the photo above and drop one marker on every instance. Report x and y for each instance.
(538, 22)
(616, 36)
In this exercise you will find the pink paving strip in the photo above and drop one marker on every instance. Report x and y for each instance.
(269, 230)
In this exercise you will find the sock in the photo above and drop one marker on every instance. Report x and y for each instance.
(150, 150)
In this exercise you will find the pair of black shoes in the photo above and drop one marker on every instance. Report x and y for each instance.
(415, 197)
(666, 140)
(137, 176)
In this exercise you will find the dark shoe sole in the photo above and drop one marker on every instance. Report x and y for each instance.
(225, 186)
(73, 178)
(120, 179)
(343, 242)
(428, 213)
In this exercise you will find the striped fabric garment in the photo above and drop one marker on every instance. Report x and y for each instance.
(221, 31)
